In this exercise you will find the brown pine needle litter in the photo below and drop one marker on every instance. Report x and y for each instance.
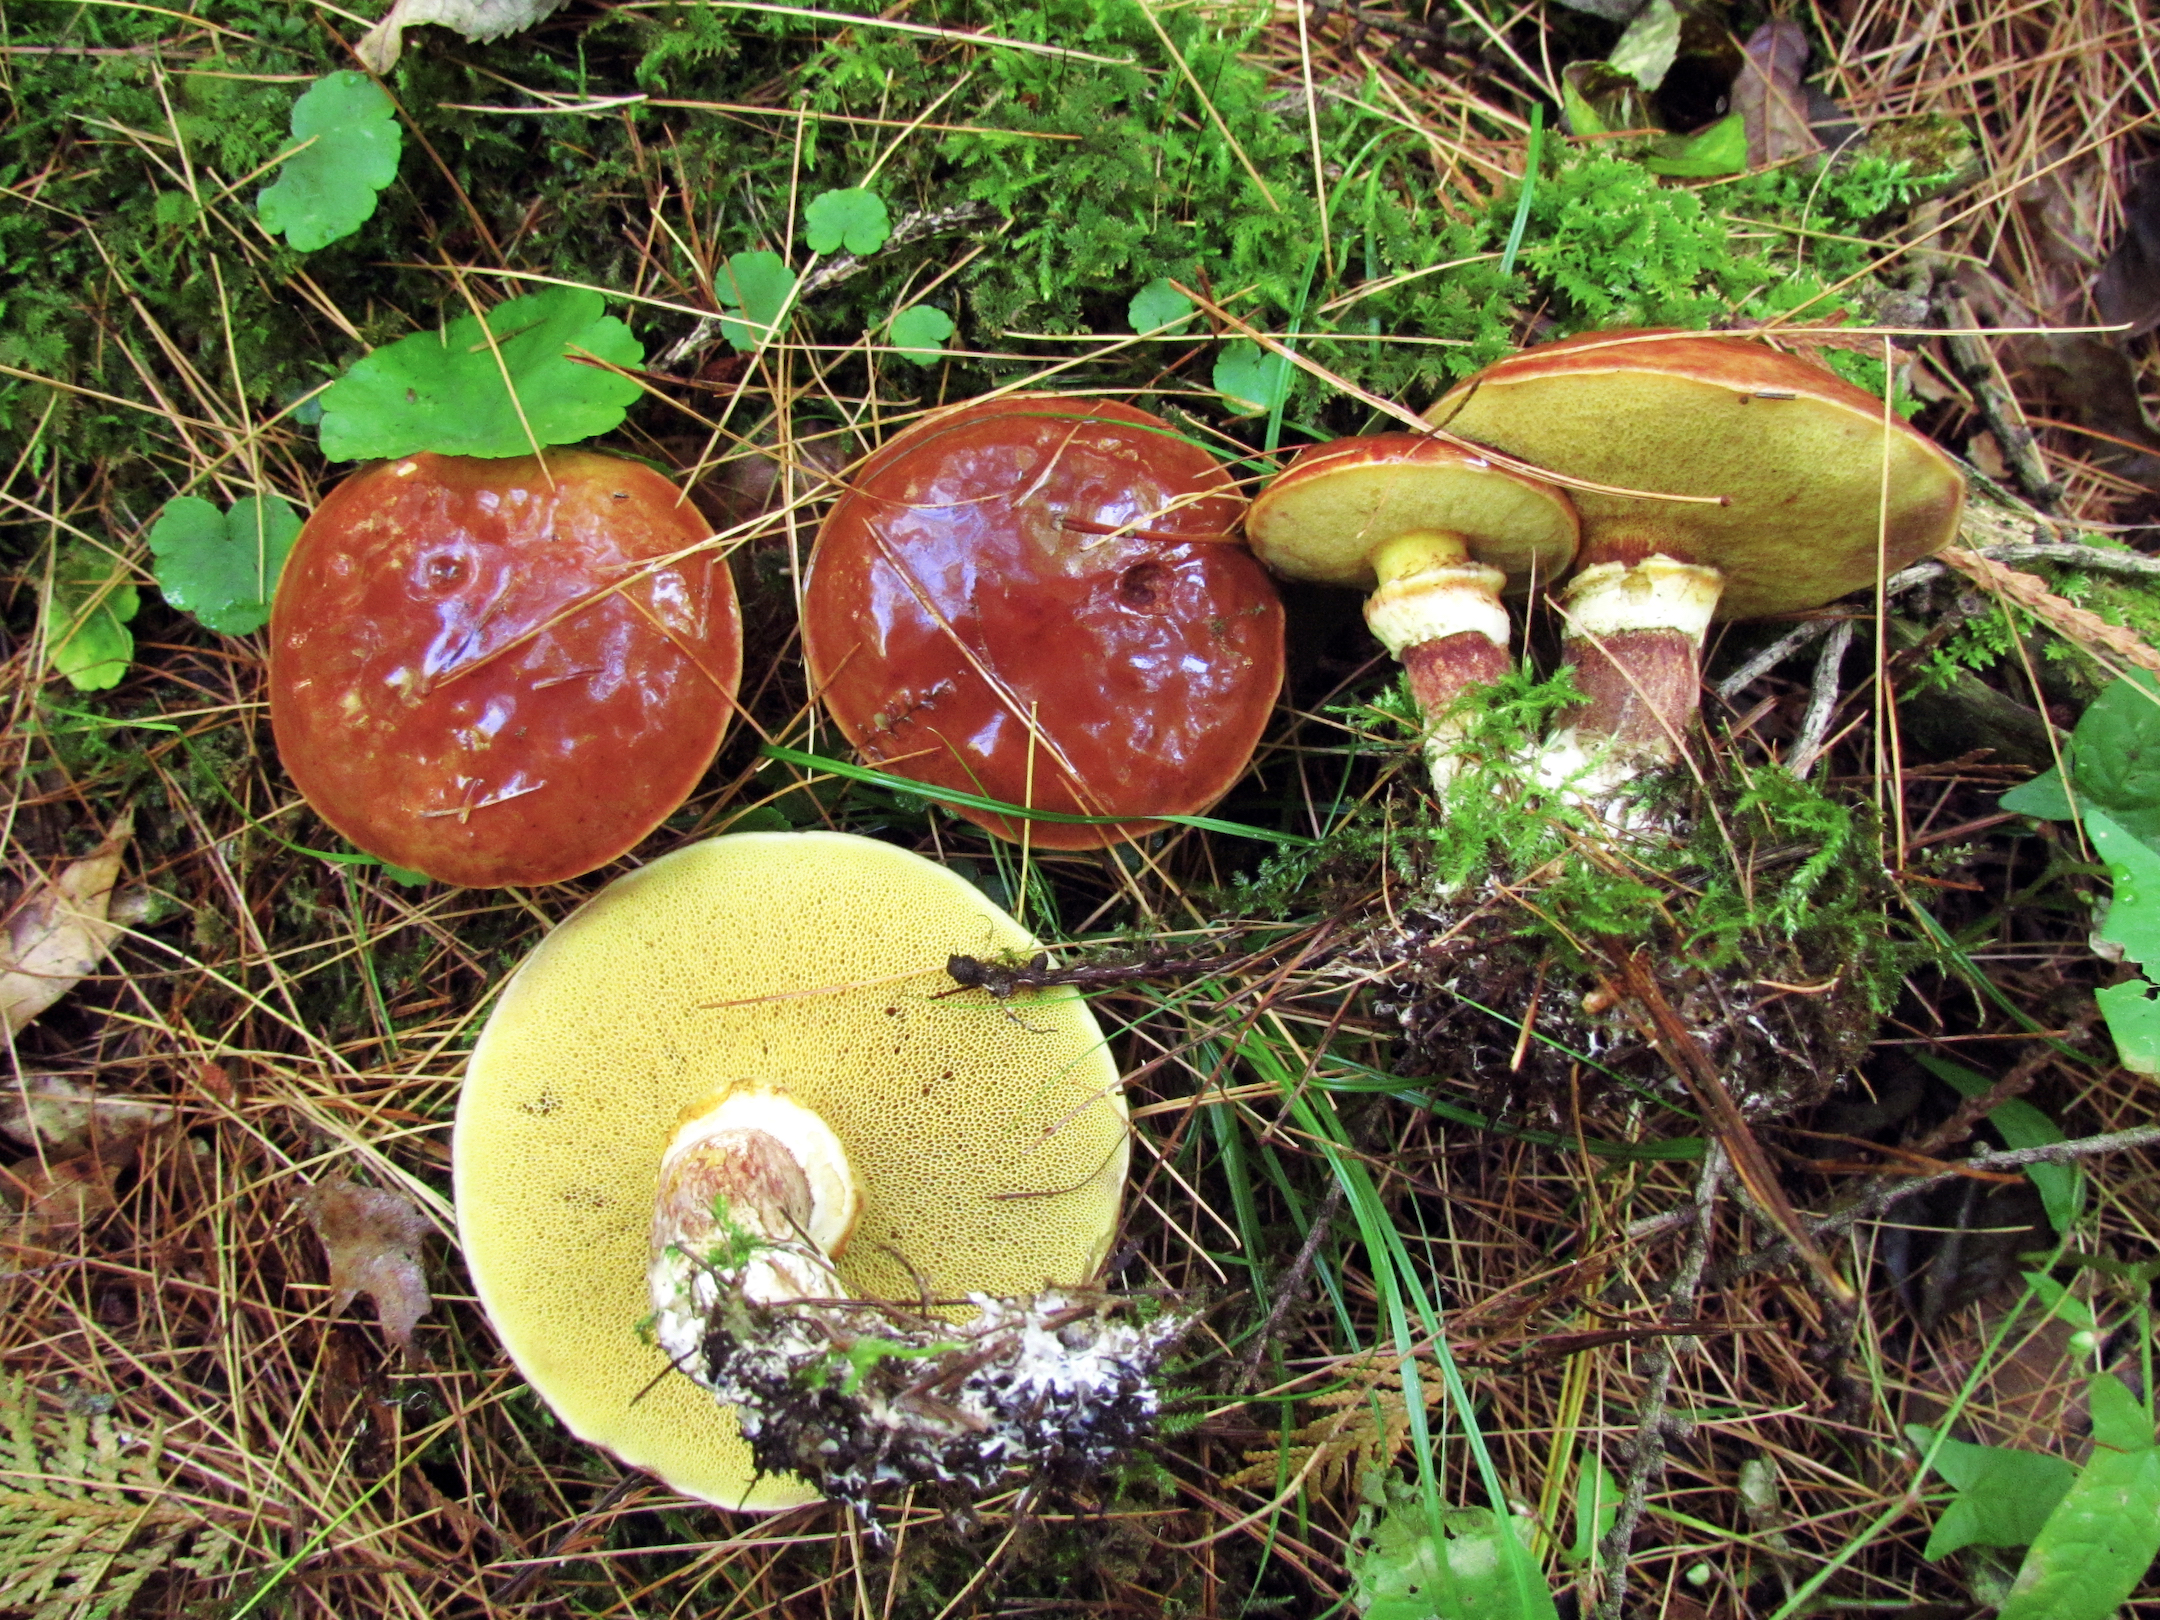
(199, 1418)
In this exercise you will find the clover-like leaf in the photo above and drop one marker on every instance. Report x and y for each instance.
(223, 567)
(854, 218)
(1158, 304)
(346, 138)
(444, 391)
(2004, 1495)
(85, 617)
(758, 285)
(1251, 377)
(919, 333)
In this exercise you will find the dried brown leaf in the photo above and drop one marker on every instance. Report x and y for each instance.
(477, 20)
(47, 1200)
(2128, 286)
(2065, 618)
(65, 1119)
(1361, 1427)
(60, 931)
(372, 1238)
(1770, 98)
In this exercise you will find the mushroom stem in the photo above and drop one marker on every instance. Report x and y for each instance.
(1634, 633)
(1440, 614)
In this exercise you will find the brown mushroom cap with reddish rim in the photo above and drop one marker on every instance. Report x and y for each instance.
(1438, 535)
(1042, 600)
(1814, 492)
(487, 671)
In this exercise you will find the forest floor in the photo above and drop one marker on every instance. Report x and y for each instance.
(1426, 1130)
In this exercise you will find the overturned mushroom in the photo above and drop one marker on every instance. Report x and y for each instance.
(1437, 535)
(709, 1080)
(1042, 600)
(1818, 491)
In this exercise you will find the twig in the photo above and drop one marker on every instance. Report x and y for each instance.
(1822, 702)
(1975, 364)
(1883, 1195)
(1652, 1426)
(1293, 1282)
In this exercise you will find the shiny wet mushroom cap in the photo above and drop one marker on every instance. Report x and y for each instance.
(495, 672)
(713, 996)
(1043, 600)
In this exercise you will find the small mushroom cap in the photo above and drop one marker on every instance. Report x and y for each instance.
(1070, 560)
(1798, 452)
(989, 1141)
(472, 675)
(1336, 504)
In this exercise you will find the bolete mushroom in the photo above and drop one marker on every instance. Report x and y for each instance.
(672, 1107)
(1042, 600)
(1817, 491)
(495, 672)
(1437, 535)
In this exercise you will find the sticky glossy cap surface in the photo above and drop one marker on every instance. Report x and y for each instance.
(1337, 503)
(989, 1140)
(1070, 562)
(1800, 454)
(473, 674)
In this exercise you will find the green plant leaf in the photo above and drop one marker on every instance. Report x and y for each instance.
(443, 391)
(1158, 304)
(2133, 1020)
(1250, 377)
(2114, 754)
(2004, 1495)
(1647, 50)
(2096, 1545)
(345, 150)
(223, 567)
(2044, 798)
(1719, 149)
(85, 616)
(919, 332)
(2119, 1419)
(854, 218)
(2133, 919)
(2061, 1186)
(1398, 1577)
(1597, 1506)
(757, 285)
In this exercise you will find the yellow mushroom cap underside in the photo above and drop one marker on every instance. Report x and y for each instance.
(989, 1138)
(1805, 466)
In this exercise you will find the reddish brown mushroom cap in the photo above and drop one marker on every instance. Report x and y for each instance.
(1069, 562)
(1798, 453)
(473, 675)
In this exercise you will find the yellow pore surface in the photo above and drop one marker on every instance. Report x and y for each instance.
(990, 1139)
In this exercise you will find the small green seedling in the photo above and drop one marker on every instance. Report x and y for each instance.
(1398, 1574)
(85, 616)
(919, 333)
(450, 391)
(1159, 304)
(344, 151)
(854, 219)
(1252, 379)
(757, 286)
(2113, 789)
(223, 567)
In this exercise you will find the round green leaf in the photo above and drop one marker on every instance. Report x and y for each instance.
(444, 391)
(85, 615)
(1158, 304)
(919, 332)
(223, 567)
(854, 219)
(1250, 377)
(759, 285)
(344, 151)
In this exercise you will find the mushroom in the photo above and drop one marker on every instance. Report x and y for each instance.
(756, 1023)
(1437, 535)
(1817, 491)
(1041, 600)
(497, 672)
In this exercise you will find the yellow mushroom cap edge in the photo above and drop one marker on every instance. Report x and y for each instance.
(990, 1139)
